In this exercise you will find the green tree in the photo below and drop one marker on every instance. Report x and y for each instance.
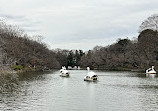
(70, 59)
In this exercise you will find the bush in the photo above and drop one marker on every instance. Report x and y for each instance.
(17, 67)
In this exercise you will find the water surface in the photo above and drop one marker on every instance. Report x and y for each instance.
(114, 91)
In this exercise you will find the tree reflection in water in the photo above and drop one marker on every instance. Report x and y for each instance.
(9, 84)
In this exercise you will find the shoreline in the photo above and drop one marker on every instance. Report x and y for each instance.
(8, 70)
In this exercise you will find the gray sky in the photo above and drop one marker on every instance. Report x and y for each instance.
(78, 24)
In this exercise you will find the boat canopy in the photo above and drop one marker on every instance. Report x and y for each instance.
(91, 74)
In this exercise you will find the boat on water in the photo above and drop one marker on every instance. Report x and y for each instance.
(91, 76)
(151, 70)
(64, 72)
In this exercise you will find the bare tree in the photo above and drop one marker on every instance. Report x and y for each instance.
(150, 23)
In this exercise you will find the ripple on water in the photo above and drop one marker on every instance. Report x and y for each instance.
(114, 91)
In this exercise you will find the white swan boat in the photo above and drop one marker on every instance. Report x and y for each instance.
(64, 72)
(151, 70)
(91, 76)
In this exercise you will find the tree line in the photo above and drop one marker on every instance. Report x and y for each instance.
(20, 51)
(127, 54)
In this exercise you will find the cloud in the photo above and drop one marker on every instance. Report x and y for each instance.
(29, 25)
(12, 17)
(78, 23)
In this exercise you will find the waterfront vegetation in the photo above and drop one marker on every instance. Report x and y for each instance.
(21, 52)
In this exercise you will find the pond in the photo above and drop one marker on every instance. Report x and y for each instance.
(114, 91)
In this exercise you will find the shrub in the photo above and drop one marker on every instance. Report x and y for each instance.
(17, 67)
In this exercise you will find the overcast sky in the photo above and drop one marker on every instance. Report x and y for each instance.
(78, 24)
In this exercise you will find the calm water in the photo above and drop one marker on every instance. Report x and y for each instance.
(114, 91)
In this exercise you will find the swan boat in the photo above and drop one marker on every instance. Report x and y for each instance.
(151, 70)
(91, 76)
(64, 72)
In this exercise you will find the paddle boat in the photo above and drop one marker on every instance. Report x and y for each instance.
(91, 76)
(64, 72)
(151, 70)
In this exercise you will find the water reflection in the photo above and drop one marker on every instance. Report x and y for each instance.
(9, 88)
(91, 93)
(9, 84)
(151, 75)
(16, 88)
(31, 76)
(47, 91)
